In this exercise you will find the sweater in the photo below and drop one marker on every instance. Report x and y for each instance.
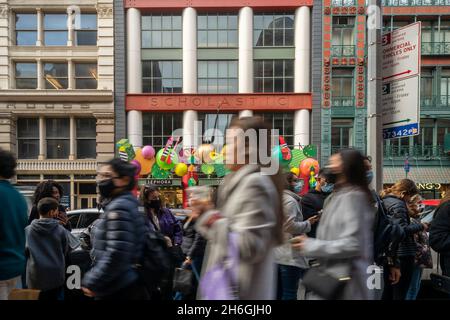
(13, 220)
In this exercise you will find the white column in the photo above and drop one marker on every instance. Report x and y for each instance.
(40, 27)
(189, 50)
(70, 75)
(72, 142)
(189, 72)
(40, 74)
(42, 142)
(70, 24)
(245, 54)
(134, 73)
(189, 122)
(302, 70)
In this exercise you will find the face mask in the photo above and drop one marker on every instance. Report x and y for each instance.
(154, 204)
(298, 186)
(106, 187)
(327, 188)
(369, 176)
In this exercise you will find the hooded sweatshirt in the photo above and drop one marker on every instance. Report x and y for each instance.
(47, 244)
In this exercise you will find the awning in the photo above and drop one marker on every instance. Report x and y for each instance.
(417, 174)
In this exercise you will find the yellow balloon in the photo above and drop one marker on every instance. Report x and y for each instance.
(146, 165)
(295, 171)
(181, 169)
(203, 153)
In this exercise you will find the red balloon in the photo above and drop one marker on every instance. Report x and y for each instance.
(305, 166)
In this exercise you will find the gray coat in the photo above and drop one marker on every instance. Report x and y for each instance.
(293, 226)
(248, 205)
(344, 240)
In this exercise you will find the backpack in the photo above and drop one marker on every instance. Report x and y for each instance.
(387, 234)
(156, 262)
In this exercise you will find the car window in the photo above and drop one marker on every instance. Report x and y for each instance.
(73, 219)
(88, 218)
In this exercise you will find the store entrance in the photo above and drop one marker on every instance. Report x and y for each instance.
(171, 197)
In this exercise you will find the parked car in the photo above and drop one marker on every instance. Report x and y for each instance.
(81, 219)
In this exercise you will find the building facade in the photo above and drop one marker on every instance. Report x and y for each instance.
(56, 92)
(343, 107)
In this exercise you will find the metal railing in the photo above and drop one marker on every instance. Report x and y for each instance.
(414, 3)
(434, 102)
(343, 3)
(435, 48)
(418, 151)
(343, 101)
(343, 51)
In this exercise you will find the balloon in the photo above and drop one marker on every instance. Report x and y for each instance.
(148, 152)
(203, 154)
(207, 169)
(295, 171)
(146, 165)
(181, 169)
(159, 173)
(278, 155)
(191, 182)
(305, 166)
(169, 162)
(310, 151)
(137, 165)
(297, 157)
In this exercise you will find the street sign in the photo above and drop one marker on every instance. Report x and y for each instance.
(401, 52)
(400, 97)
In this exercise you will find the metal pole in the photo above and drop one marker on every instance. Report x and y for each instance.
(374, 121)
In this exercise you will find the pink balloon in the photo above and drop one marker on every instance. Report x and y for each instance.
(148, 152)
(137, 165)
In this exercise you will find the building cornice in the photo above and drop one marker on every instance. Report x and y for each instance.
(56, 95)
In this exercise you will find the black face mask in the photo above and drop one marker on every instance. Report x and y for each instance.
(154, 204)
(106, 188)
(330, 176)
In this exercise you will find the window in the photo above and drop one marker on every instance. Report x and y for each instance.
(341, 134)
(426, 87)
(26, 75)
(58, 138)
(27, 138)
(217, 76)
(162, 76)
(445, 88)
(161, 31)
(273, 30)
(217, 30)
(343, 3)
(158, 127)
(86, 138)
(26, 29)
(55, 75)
(342, 87)
(343, 39)
(284, 122)
(274, 75)
(86, 76)
(86, 34)
(55, 29)
(209, 121)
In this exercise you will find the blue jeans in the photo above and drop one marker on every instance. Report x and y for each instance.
(288, 279)
(414, 285)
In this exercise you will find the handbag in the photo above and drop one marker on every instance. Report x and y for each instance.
(182, 281)
(323, 284)
(220, 282)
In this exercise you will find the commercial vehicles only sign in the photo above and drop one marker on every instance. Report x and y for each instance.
(401, 82)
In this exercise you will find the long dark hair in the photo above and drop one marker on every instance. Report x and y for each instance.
(257, 123)
(354, 170)
(45, 190)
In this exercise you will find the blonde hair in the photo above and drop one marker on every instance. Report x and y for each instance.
(400, 189)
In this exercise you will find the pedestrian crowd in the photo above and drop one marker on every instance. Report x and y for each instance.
(255, 238)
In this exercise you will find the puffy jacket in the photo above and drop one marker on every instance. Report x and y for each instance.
(117, 244)
(398, 211)
(440, 230)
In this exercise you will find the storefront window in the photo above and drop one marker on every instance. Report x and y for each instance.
(162, 76)
(58, 138)
(273, 30)
(218, 76)
(26, 29)
(161, 31)
(28, 138)
(217, 30)
(274, 75)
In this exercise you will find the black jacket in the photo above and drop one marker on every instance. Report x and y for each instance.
(193, 243)
(117, 244)
(440, 230)
(312, 202)
(398, 211)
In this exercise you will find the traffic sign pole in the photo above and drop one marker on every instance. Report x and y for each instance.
(374, 121)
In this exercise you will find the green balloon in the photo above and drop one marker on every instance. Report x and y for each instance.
(159, 173)
(297, 157)
(165, 165)
(207, 169)
(310, 151)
